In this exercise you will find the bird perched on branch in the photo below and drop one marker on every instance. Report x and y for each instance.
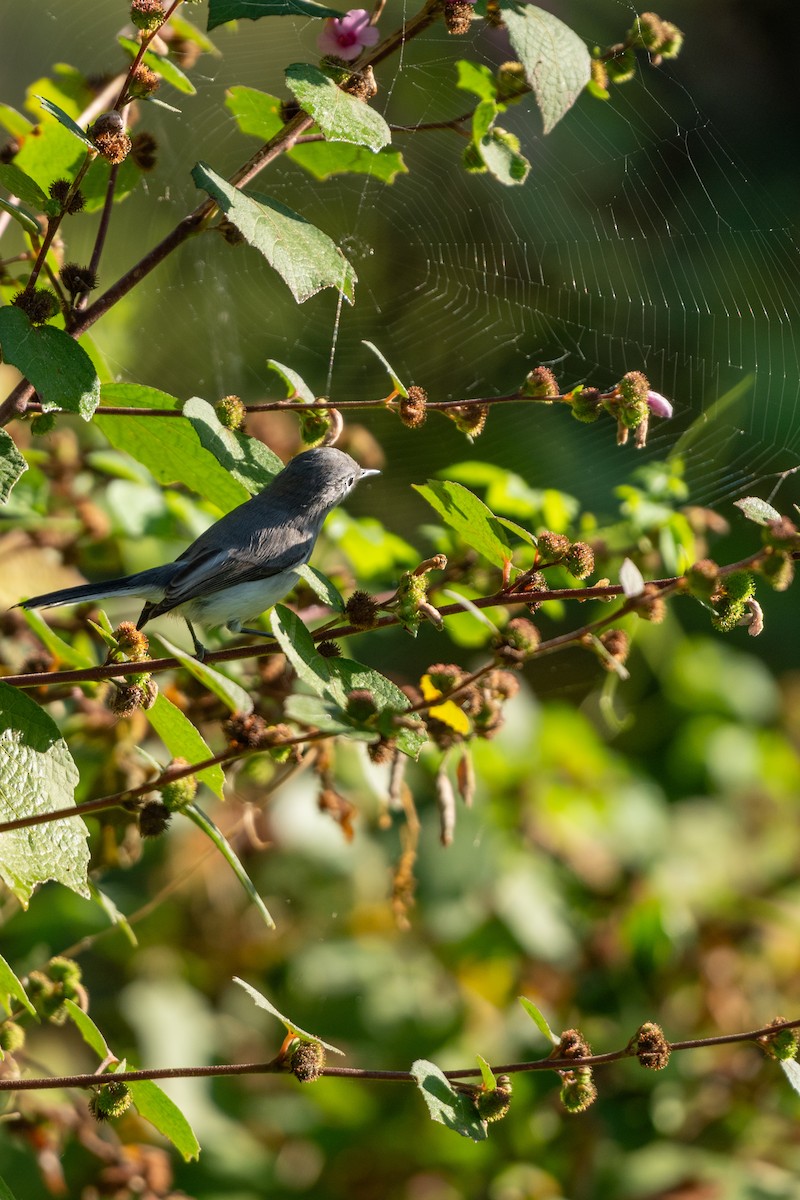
(244, 563)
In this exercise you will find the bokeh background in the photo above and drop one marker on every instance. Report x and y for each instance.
(614, 871)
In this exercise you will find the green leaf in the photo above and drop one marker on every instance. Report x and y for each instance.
(59, 369)
(322, 714)
(220, 11)
(447, 1105)
(469, 516)
(36, 769)
(398, 385)
(290, 1026)
(340, 116)
(537, 1017)
(59, 649)
(115, 916)
(255, 112)
(5, 1191)
(156, 1107)
(246, 459)
(187, 32)
(791, 1069)
(323, 160)
(164, 67)
(14, 122)
(556, 62)
(500, 152)
(333, 678)
(304, 257)
(12, 989)
(483, 118)
(21, 215)
(218, 839)
(757, 510)
(297, 644)
(66, 120)
(168, 446)
(487, 1074)
(87, 1029)
(12, 465)
(232, 694)
(476, 78)
(296, 386)
(19, 184)
(258, 113)
(183, 741)
(322, 587)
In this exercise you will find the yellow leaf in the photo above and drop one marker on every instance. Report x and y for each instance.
(451, 715)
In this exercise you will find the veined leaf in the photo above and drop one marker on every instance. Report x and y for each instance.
(340, 116)
(556, 61)
(59, 369)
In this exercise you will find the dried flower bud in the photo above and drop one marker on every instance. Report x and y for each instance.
(540, 382)
(362, 84)
(361, 610)
(144, 81)
(494, 1103)
(329, 649)
(579, 560)
(617, 645)
(702, 579)
(39, 304)
(154, 819)
(778, 570)
(125, 699)
(519, 640)
(76, 279)
(60, 190)
(360, 705)
(599, 74)
(132, 641)
(586, 405)
(231, 412)
(672, 40)
(458, 16)
(622, 67)
(307, 1061)
(110, 1101)
(783, 1044)
(502, 684)
(652, 1048)
(511, 82)
(469, 418)
(632, 407)
(177, 793)
(647, 31)
(382, 751)
(578, 1090)
(114, 147)
(12, 1037)
(413, 407)
(552, 546)
(572, 1045)
(144, 149)
(246, 730)
(652, 606)
(147, 15)
(444, 676)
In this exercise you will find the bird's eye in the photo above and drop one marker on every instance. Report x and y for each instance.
(351, 481)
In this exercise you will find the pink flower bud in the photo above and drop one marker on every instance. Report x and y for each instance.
(345, 37)
(659, 405)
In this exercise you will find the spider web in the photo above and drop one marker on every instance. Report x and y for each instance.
(637, 243)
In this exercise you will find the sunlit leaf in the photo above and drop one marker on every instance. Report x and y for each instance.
(262, 1002)
(59, 369)
(556, 62)
(446, 1105)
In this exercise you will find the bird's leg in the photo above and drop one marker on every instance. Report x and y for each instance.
(199, 648)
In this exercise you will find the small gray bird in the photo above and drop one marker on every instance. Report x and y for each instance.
(244, 563)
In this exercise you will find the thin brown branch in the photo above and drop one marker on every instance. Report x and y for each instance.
(504, 598)
(278, 1066)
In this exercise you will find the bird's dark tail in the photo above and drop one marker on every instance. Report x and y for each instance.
(150, 585)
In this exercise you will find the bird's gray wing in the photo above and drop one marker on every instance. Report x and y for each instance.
(204, 570)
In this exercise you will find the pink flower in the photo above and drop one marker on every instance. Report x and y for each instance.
(659, 405)
(345, 37)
